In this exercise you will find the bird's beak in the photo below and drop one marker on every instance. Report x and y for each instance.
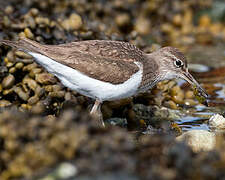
(189, 78)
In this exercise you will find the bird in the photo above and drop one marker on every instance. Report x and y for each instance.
(107, 70)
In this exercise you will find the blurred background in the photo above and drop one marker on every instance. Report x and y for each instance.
(45, 130)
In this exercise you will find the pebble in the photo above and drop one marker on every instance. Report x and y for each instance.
(33, 100)
(143, 26)
(28, 33)
(8, 81)
(7, 91)
(57, 94)
(170, 104)
(199, 140)
(34, 71)
(29, 67)
(4, 103)
(73, 23)
(189, 94)
(39, 91)
(42, 21)
(190, 102)
(45, 78)
(217, 122)
(9, 10)
(122, 20)
(23, 95)
(22, 54)
(12, 70)
(32, 84)
(19, 65)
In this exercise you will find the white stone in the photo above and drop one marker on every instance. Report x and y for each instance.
(66, 170)
(199, 140)
(217, 122)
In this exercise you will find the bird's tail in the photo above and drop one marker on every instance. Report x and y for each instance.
(23, 44)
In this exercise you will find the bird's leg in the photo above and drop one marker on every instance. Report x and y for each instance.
(96, 112)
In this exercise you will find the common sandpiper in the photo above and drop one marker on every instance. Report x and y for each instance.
(107, 70)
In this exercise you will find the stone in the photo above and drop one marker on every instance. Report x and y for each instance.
(8, 81)
(217, 122)
(199, 140)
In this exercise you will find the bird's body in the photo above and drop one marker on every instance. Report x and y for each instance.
(106, 70)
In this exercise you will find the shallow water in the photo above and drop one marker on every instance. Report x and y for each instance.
(197, 117)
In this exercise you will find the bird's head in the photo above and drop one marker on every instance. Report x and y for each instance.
(172, 64)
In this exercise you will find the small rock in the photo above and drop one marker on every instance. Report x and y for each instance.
(12, 70)
(28, 33)
(117, 121)
(23, 95)
(3, 71)
(45, 78)
(57, 94)
(8, 81)
(32, 84)
(199, 140)
(4, 103)
(122, 20)
(217, 122)
(66, 170)
(73, 23)
(22, 54)
(19, 65)
(143, 26)
(33, 100)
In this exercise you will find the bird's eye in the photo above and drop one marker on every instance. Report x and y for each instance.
(178, 63)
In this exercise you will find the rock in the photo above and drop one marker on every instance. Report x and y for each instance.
(22, 54)
(122, 20)
(117, 121)
(73, 23)
(28, 33)
(32, 84)
(143, 26)
(4, 103)
(45, 78)
(3, 71)
(33, 100)
(217, 122)
(23, 95)
(8, 81)
(66, 170)
(199, 140)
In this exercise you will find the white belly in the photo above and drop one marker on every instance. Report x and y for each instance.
(88, 86)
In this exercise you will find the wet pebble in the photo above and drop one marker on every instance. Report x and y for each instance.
(190, 102)
(23, 95)
(8, 81)
(22, 54)
(189, 94)
(4, 103)
(170, 104)
(57, 94)
(74, 22)
(28, 33)
(199, 140)
(29, 67)
(45, 78)
(19, 65)
(217, 122)
(32, 84)
(34, 71)
(177, 95)
(33, 100)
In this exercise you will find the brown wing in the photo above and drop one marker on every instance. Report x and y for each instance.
(109, 61)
